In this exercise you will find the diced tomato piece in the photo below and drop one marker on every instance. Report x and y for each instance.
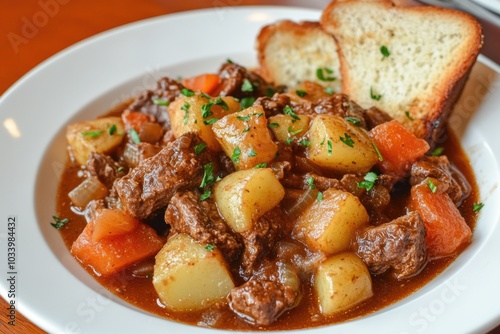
(398, 146)
(446, 228)
(207, 83)
(110, 223)
(112, 254)
(134, 120)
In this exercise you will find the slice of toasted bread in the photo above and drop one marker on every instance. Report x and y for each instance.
(411, 62)
(290, 53)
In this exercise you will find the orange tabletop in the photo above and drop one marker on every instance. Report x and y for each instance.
(34, 30)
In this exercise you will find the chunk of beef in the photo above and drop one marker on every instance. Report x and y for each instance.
(151, 185)
(440, 168)
(261, 302)
(273, 105)
(375, 116)
(166, 90)
(338, 104)
(103, 167)
(260, 239)
(232, 78)
(398, 245)
(201, 220)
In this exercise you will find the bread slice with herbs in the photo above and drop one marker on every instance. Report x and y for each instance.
(411, 62)
(292, 52)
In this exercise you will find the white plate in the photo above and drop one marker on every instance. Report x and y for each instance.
(493, 5)
(87, 79)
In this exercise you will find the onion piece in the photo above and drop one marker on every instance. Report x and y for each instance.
(150, 132)
(131, 155)
(91, 188)
(302, 203)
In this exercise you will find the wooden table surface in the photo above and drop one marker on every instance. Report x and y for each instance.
(34, 30)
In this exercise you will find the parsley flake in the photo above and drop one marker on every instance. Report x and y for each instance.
(437, 151)
(380, 157)
(353, 120)
(407, 114)
(210, 121)
(261, 165)
(329, 90)
(368, 181)
(199, 148)
(329, 146)
(293, 132)
(347, 140)
(208, 175)
(305, 142)
(431, 186)
(246, 86)
(385, 51)
(58, 223)
(477, 206)
(310, 182)
(289, 111)
(220, 102)
(187, 92)
(206, 110)
(243, 118)
(236, 155)
(134, 136)
(161, 102)
(206, 194)
(300, 92)
(319, 197)
(273, 125)
(186, 107)
(247, 102)
(325, 74)
(252, 152)
(112, 129)
(210, 247)
(92, 133)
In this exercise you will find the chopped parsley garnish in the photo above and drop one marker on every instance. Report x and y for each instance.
(92, 133)
(310, 182)
(385, 51)
(353, 120)
(199, 148)
(246, 86)
(329, 90)
(347, 140)
(134, 136)
(247, 102)
(269, 92)
(261, 165)
(210, 247)
(304, 142)
(206, 110)
(380, 157)
(437, 151)
(431, 186)
(187, 92)
(220, 102)
(329, 146)
(160, 102)
(293, 132)
(289, 111)
(325, 74)
(477, 206)
(112, 129)
(58, 223)
(243, 118)
(407, 113)
(206, 194)
(368, 181)
(120, 169)
(273, 125)
(252, 152)
(236, 155)
(229, 61)
(300, 92)
(186, 107)
(374, 96)
(208, 175)
(319, 197)
(210, 121)
(289, 141)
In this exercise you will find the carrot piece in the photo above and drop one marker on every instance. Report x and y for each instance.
(134, 120)
(446, 228)
(398, 146)
(207, 83)
(112, 254)
(109, 223)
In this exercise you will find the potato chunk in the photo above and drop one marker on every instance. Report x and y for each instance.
(244, 196)
(189, 275)
(287, 129)
(197, 113)
(341, 282)
(340, 146)
(329, 225)
(245, 138)
(101, 135)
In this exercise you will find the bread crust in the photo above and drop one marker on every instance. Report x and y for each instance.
(430, 109)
